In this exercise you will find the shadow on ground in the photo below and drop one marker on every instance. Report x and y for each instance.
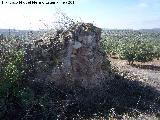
(63, 103)
(122, 95)
(150, 67)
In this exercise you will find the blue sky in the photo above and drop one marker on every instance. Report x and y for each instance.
(120, 14)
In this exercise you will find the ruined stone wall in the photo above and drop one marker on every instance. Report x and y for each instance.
(80, 60)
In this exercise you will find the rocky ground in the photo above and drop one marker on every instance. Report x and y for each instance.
(148, 73)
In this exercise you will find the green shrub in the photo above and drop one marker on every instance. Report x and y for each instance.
(110, 45)
(13, 70)
(144, 52)
(13, 94)
(157, 51)
(140, 51)
(127, 52)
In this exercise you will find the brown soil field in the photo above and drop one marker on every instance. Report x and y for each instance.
(148, 72)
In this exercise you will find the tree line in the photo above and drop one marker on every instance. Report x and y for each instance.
(132, 45)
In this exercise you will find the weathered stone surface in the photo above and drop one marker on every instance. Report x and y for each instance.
(82, 63)
(74, 56)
